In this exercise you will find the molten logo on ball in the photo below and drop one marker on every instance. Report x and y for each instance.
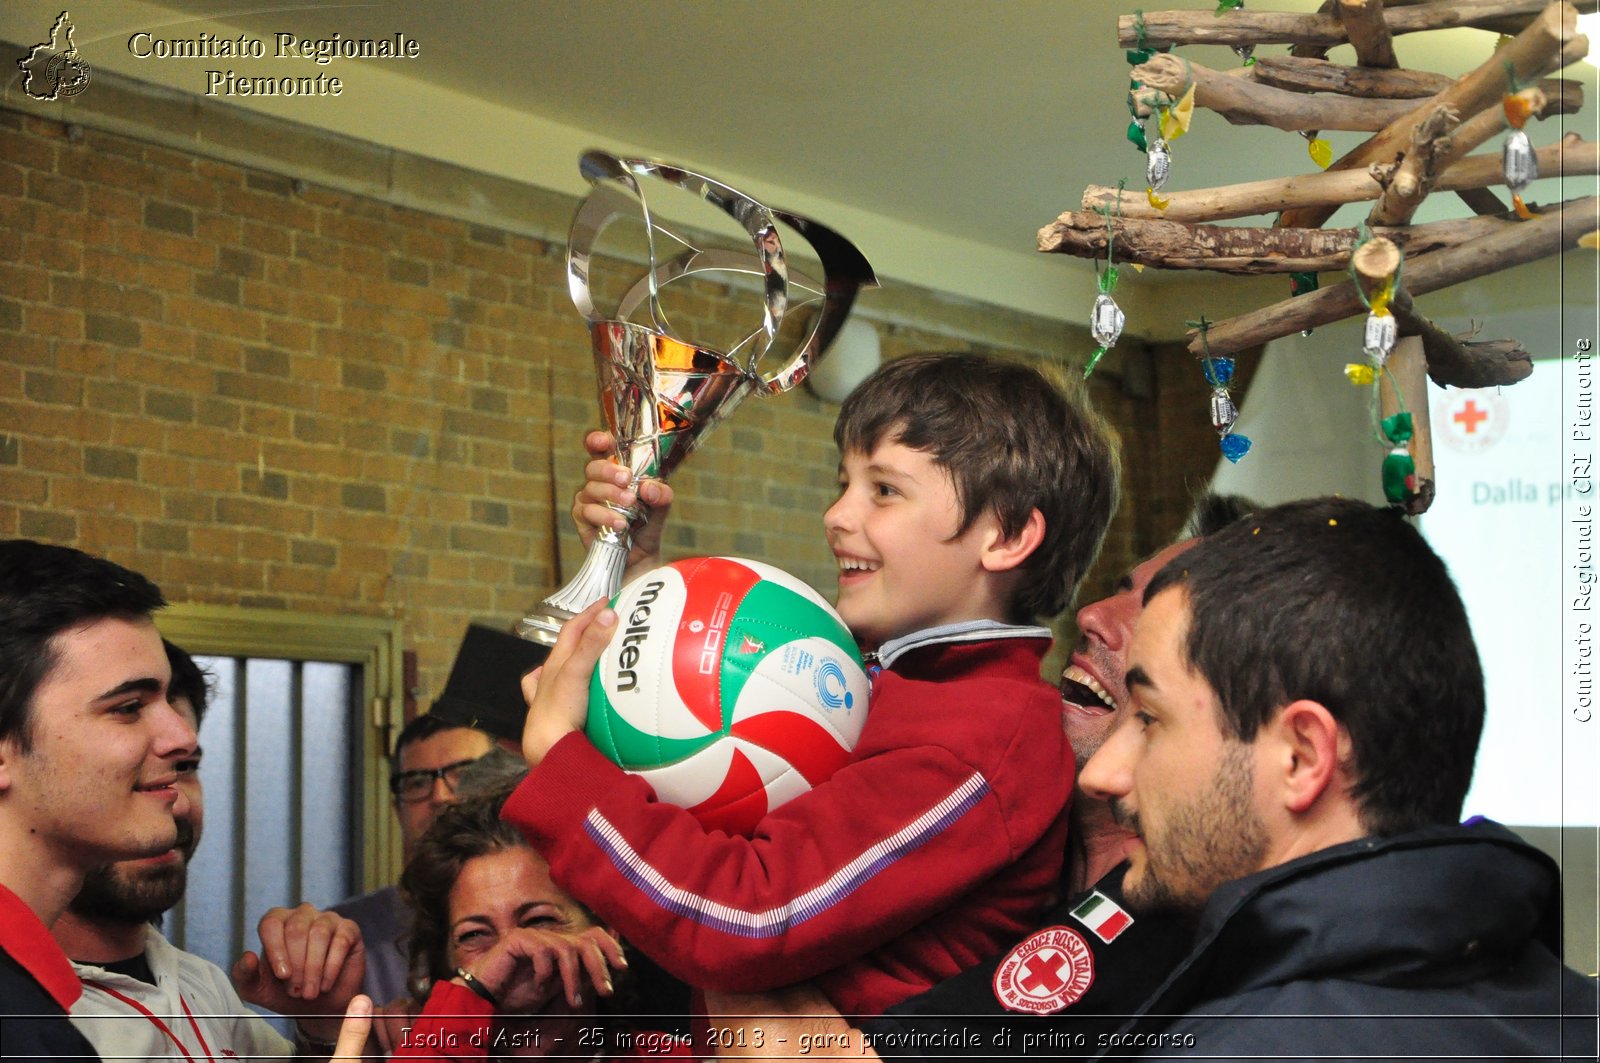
(731, 688)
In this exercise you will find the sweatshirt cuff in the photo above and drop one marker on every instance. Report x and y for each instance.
(447, 998)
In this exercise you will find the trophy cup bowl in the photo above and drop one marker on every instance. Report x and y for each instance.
(659, 392)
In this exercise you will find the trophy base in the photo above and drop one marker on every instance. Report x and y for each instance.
(600, 577)
(544, 627)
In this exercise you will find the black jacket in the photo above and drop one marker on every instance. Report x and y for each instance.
(1439, 942)
(32, 1024)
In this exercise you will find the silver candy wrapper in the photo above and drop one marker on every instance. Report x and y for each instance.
(1106, 320)
(660, 391)
(1158, 165)
(1223, 412)
(1379, 337)
(1519, 162)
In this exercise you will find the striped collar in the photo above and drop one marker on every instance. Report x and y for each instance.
(965, 631)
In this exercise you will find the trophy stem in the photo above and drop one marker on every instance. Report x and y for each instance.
(600, 577)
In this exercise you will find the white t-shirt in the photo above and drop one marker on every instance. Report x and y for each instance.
(192, 1012)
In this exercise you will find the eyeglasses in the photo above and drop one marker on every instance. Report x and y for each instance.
(417, 785)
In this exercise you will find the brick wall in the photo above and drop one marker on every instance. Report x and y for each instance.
(269, 392)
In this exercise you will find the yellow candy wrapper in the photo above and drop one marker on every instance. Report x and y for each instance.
(1321, 152)
(1175, 119)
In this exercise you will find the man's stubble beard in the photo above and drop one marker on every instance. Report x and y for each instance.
(1214, 840)
(113, 893)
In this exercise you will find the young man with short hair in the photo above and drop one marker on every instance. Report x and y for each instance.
(144, 998)
(90, 756)
(1306, 708)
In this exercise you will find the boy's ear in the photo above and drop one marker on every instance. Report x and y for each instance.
(1001, 554)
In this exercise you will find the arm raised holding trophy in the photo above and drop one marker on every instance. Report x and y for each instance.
(974, 493)
(607, 494)
(659, 392)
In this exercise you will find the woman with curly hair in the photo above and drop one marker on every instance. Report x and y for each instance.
(514, 966)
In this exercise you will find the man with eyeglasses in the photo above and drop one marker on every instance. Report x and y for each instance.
(423, 772)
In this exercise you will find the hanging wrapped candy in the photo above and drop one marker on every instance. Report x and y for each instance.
(1360, 374)
(1243, 51)
(1158, 167)
(1175, 119)
(1517, 160)
(1174, 123)
(1379, 337)
(1218, 371)
(1399, 468)
(1521, 169)
(1521, 165)
(1320, 150)
(1105, 317)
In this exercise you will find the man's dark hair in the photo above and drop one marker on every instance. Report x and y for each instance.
(44, 591)
(189, 681)
(420, 729)
(424, 726)
(1338, 602)
(1013, 440)
(1213, 512)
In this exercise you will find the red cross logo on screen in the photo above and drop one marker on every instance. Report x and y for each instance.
(1469, 417)
(1470, 422)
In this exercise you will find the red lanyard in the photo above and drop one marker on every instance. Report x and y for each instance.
(163, 1027)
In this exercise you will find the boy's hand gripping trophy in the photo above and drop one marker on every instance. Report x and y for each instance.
(659, 393)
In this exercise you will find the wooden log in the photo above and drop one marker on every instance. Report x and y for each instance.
(1462, 361)
(1163, 28)
(1550, 233)
(1413, 178)
(1511, 25)
(1318, 75)
(1367, 32)
(1245, 102)
(1570, 157)
(1374, 264)
(1408, 383)
(1529, 55)
(1247, 250)
(1481, 201)
(1331, 7)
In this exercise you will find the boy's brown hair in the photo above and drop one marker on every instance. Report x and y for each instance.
(1013, 440)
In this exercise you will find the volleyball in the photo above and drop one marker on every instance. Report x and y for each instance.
(730, 686)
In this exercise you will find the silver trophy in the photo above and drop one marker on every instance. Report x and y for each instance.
(660, 392)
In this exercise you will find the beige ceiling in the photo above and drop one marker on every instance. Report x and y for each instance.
(972, 123)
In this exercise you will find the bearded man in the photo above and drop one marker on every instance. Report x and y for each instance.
(144, 998)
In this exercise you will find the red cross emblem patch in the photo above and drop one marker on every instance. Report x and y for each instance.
(1045, 973)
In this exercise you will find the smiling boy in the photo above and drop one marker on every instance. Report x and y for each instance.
(90, 751)
(973, 495)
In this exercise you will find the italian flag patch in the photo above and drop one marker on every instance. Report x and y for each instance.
(1102, 915)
